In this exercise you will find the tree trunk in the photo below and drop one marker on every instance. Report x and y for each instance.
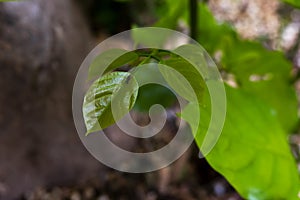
(42, 44)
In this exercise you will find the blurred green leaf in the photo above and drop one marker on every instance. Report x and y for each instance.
(252, 151)
(152, 94)
(170, 14)
(170, 17)
(120, 87)
(150, 37)
(263, 73)
(110, 60)
(295, 3)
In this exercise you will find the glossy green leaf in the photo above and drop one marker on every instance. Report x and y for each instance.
(110, 60)
(108, 100)
(252, 151)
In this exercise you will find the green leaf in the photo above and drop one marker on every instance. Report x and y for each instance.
(170, 17)
(181, 76)
(152, 92)
(150, 37)
(263, 73)
(266, 75)
(178, 83)
(252, 151)
(295, 3)
(110, 60)
(108, 100)
(188, 72)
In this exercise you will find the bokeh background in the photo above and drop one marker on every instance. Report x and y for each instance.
(42, 44)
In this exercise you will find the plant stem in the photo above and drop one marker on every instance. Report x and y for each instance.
(194, 19)
(148, 56)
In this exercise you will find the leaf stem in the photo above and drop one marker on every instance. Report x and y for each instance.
(152, 55)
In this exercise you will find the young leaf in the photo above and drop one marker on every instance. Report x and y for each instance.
(198, 57)
(154, 92)
(119, 88)
(188, 72)
(252, 151)
(178, 83)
